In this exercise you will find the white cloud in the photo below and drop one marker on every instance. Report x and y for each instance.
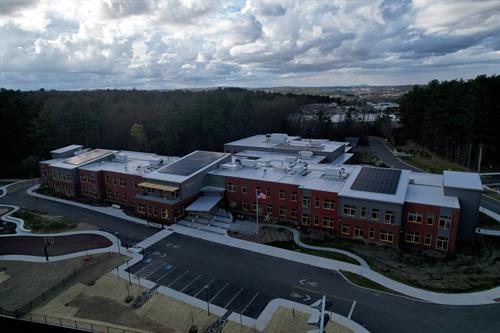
(174, 43)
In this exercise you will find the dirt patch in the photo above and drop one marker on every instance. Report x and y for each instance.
(91, 307)
(266, 235)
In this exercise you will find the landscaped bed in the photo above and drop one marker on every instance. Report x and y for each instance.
(475, 266)
(42, 223)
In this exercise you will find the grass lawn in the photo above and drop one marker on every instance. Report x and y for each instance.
(367, 158)
(27, 281)
(432, 163)
(494, 195)
(364, 282)
(290, 245)
(475, 266)
(42, 223)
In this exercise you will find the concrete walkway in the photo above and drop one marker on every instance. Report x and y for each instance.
(475, 298)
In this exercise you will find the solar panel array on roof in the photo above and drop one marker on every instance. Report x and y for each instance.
(191, 163)
(377, 180)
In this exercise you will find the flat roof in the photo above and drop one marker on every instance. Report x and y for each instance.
(204, 204)
(81, 159)
(135, 163)
(462, 180)
(423, 178)
(187, 166)
(293, 143)
(430, 195)
(272, 156)
(397, 197)
(66, 149)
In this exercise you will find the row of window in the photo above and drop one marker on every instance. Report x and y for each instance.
(152, 211)
(327, 221)
(117, 181)
(389, 217)
(68, 190)
(414, 237)
(116, 195)
(58, 175)
(87, 179)
(89, 193)
(417, 217)
(384, 235)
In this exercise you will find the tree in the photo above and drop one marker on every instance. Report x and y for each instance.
(139, 138)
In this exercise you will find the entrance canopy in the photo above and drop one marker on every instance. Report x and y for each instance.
(204, 204)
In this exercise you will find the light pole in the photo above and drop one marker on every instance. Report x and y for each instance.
(257, 211)
(128, 271)
(208, 301)
(119, 252)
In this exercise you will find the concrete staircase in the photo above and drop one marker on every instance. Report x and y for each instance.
(218, 223)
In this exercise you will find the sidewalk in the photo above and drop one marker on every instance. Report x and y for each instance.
(475, 298)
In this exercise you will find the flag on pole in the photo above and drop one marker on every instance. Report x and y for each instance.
(262, 195)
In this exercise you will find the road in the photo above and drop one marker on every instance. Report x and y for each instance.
(246, 272)
(378, 147)
(129, 232)
(237, 276)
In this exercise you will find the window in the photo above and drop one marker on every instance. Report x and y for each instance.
(329, 204)
(363, 212)
(371, 233)
(328, 222)
(293, 213)
(316, 220)
(116, 195)
(257, 190)
(345, 229)
(282, 195)
(109, 194)
(386, 236)
(135, 184)
(349, 210)
(175, 195)
(254, 206)
(305, 219)
(317, 202)
(306, 201)
(414, 217)
(92, 180)
(140, 208)
(150, 210)
(244, 205)
(82, 178)
(358, 232)
(413, 237)
(428, 239)
(269, 209)
(442, 243)
(114, 181)
(244, 189)
(155, 211)
(282, 211)
(124, 196)
(444, 222)
(122, 182)
(268, 191)
(231, 187)
(179, 213)
(390, 217)
(293, 196)
(430, 219)
(375, 214)
(164, 213)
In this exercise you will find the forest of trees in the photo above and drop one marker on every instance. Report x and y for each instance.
(171, 123)
(458, 119)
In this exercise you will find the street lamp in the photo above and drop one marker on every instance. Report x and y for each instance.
(119, 252)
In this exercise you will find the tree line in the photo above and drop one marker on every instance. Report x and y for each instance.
(164, 122)
(457, 119)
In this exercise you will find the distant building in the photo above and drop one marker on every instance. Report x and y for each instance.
(305, 182)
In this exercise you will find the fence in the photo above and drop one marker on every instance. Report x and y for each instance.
(55, 288)
(65, 322)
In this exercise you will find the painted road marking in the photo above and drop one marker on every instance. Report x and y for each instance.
(232, 299)
(190, 283)
(253, 298)
(202, 288)
(180, 276)
(165, 275)
(352, 309)
(227, 284)
(317, 292)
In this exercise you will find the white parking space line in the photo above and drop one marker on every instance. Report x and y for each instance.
(180, 276)
(202, 288)
(352, 309)
(190, 283)
(253, 298)
(232, 299)
(165, 275)
(227, 284)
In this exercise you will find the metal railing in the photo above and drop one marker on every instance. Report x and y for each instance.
(65, 322)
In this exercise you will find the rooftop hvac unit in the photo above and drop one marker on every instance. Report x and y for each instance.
(279, 137)
(264, 163)
(155, 162)
(122, 158)
(333, 172)
(316, 143)
(305, 154)
(291, 159)
(249, 163)
(229, 166)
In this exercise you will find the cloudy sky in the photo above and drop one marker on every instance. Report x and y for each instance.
(201, 43)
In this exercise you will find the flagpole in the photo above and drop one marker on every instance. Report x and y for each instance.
(257, 211)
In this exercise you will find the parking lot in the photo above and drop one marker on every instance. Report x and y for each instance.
(218, 279)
